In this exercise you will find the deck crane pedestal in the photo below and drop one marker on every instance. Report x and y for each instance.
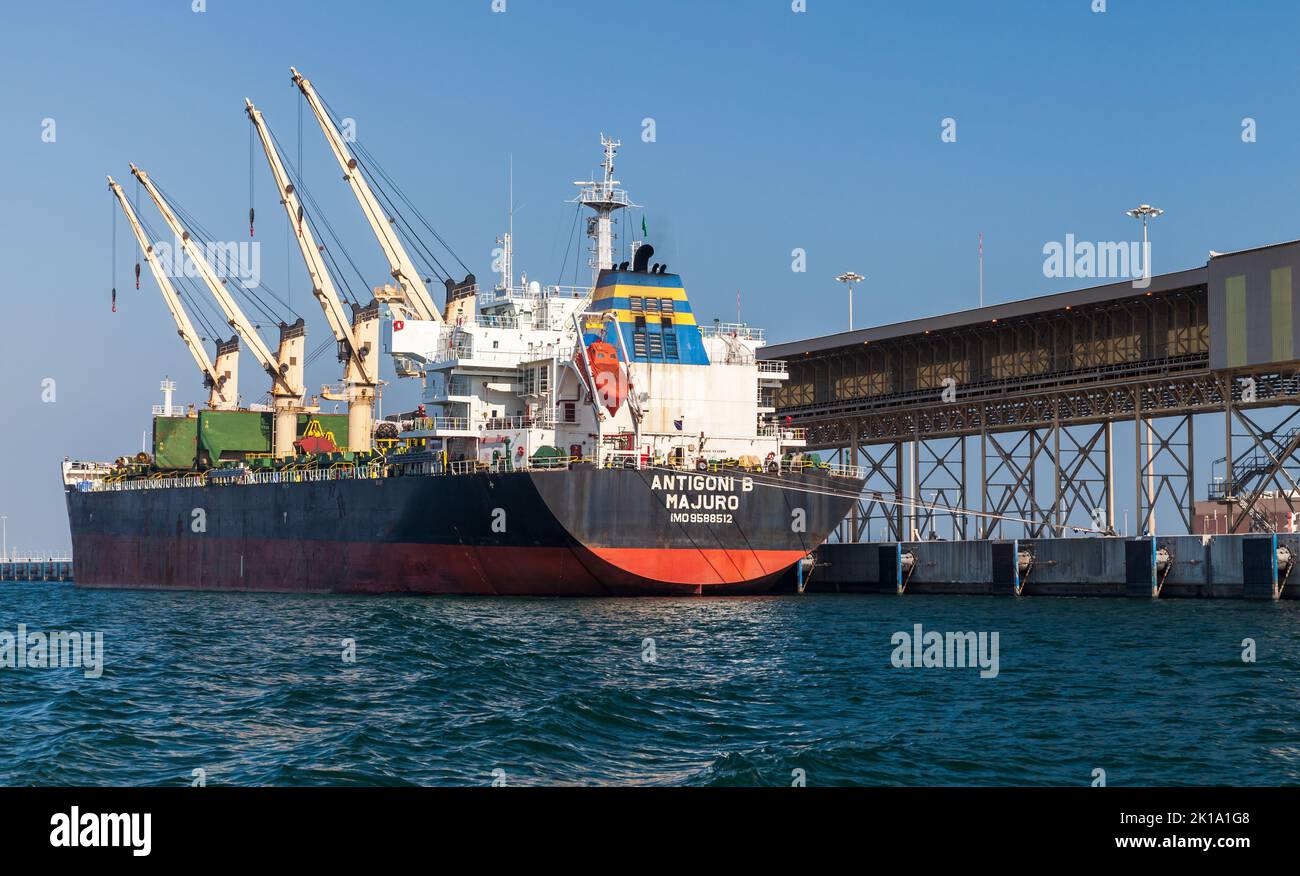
(228, 367)
(416, 295)
(221, 379)
(357, 336)
(285, 367)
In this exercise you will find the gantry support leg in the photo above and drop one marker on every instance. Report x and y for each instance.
(1009, 488)
(1269, 463)
(1085, 472)
(881, 496)
(1168, 470)
(941, 485)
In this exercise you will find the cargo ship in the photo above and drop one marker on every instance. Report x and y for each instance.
(570, 440)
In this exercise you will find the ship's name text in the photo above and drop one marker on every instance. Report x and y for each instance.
(706, 493)
(701, 483)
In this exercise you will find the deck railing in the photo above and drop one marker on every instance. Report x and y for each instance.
(785, 434)
(732, 329)
(289, 475)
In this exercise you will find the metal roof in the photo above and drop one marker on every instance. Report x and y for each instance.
(978, 315)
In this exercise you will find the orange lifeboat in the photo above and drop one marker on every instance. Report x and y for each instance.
(607, 375)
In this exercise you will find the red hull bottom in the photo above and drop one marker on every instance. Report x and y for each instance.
(293, 566)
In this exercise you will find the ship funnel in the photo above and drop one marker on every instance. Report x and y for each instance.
(642, 259)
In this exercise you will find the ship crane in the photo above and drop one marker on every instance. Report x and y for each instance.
(358, 336)
(285, 367)
(400, 265)
(221, 379)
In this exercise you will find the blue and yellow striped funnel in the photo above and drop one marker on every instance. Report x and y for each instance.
(654, 315)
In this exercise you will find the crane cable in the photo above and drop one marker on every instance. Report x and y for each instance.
(139, 251)
(250, 177)
(295, 178)
(203, 234)
(113, 274)
(186, 291)
(375, 172)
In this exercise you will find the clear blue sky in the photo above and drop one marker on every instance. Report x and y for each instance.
(775, 130)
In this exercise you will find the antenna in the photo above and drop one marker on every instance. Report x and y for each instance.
(507, 240)
(604, 197)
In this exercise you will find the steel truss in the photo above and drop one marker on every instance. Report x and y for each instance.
(1070, 431)
(939, 472)
(882, 493)
(1267, 464)
(1010, 485)
(1166, 469)
(1085, 476)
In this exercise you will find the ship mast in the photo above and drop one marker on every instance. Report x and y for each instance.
(604, 197)
(507, 240)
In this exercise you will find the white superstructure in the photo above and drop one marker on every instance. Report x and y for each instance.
(618, 372)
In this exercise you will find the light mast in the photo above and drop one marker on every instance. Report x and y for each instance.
(604, 197)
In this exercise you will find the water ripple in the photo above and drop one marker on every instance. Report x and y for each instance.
(253, 689)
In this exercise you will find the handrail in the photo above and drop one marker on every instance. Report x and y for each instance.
(732, 329)
(287, 475)
(504, 465)
(784, 433)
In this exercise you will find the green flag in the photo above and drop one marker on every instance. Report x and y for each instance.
(644, 232)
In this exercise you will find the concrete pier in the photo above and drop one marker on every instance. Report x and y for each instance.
(35, 570)
(1221, 566)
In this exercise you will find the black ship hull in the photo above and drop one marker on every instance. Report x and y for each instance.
(577, 532)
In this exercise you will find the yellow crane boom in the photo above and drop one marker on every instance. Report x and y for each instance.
(399, 261)
(222, 394)
(361, 374)
(285, 368)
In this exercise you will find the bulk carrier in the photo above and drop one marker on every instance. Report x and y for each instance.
(571, 440)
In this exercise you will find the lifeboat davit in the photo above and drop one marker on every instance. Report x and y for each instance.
(607, 374)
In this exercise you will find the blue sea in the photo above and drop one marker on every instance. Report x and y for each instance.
(255, 689)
